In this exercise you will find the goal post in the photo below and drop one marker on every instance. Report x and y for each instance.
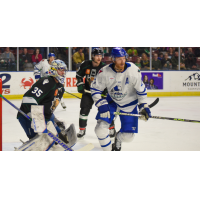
(1, 116)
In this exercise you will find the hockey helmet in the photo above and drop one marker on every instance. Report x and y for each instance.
(97, 51)
(51, 54)
(118, 52)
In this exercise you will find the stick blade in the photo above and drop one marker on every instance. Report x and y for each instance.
(88, 147)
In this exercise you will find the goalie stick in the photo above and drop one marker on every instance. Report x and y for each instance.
(55, 138)
(86, 91)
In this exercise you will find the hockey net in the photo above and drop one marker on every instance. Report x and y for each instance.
(0, 116)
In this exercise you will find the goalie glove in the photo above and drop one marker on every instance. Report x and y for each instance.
(61, 124)
(103, 107)
(144, 111)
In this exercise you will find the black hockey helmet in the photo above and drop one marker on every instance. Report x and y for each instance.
(97, 51)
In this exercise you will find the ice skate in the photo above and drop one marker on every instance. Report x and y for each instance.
(81, 133)
(116, 146)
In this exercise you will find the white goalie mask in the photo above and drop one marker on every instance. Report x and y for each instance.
(58, 65)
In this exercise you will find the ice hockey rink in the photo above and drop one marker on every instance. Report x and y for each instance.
(154, 135)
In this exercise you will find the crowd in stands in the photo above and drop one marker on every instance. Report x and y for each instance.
(163, 58)
(28, 57)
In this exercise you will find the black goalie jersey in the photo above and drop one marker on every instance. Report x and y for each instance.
(89, 72)
(46, 91)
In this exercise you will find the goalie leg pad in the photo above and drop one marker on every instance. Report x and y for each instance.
(101, 131)
(38, 143)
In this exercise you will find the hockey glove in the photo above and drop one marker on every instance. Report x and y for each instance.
(103, 107)
(81, 87)
(144, 111)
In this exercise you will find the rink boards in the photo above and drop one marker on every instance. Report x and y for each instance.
(167, 83)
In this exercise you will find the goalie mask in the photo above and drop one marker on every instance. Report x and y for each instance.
(53, 71)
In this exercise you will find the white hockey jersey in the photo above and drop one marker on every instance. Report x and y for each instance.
(126, 89)
(41, 69)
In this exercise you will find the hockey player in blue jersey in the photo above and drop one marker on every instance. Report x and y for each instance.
(126, 93)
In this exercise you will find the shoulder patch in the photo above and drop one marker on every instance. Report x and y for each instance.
(45, 81)
(101, 70)
(87, 71)
(56, 92)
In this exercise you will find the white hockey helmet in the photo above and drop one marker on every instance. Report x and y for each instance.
(56, 65)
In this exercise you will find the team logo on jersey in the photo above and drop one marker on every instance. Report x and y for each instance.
(116, 93)
(127, 81)
(26, 82)
(87, 71)
(134, 128)
(56, 93)
(101, 70)
(45, 81)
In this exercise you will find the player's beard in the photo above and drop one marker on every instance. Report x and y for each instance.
(120, 67)
(97, 61)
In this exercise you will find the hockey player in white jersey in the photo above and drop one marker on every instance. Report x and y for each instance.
(42, 69)
(125, 91)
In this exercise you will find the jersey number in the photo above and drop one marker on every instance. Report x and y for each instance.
(37, 91)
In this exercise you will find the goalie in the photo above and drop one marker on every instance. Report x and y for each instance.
(47, 91)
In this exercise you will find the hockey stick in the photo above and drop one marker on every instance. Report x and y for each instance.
(157, 117)
(73, 95)
(154, 103)
(86, 91)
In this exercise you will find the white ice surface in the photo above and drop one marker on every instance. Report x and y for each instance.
(154, 135)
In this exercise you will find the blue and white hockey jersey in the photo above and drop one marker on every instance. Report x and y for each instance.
(126, 88)
(41, 69)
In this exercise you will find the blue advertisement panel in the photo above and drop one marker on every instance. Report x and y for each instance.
(153, 80)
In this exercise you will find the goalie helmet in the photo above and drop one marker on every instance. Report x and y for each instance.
(118, 52)
(53, 71)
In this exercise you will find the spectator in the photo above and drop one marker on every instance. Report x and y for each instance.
(74, 50)
(8, 60)
(25, 61)
(78, 57)
(190, 60)
(151, 85)
(175, 61)
(142, 50)
(105, 51)
(197, 52)
(163, 50)
(182, 64)
(156, 64)
(138, 63)
(145, 65)
(171, 53)
(160, 56)
(86, 53)
(146, 81)
(166, 62)
(36, 57)
(132, 52)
